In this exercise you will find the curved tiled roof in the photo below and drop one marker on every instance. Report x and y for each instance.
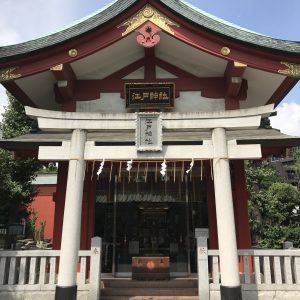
(180, 7)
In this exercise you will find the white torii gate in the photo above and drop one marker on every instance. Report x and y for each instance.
(218, 148)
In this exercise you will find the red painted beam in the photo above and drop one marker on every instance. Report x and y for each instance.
(150, 71)
(18, 93)
(282, 90)
(90, 89)
(66, 79)
(233, 74)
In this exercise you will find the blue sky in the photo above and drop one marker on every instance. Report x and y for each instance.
(24, 20)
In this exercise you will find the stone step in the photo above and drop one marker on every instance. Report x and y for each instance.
(149, 291)
(128, 283)
(149, 298)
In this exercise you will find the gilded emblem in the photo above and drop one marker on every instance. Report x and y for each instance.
(292, 70)
(148, 13)
(73, 52)
(57, 68)
(225, 51)
(8, 74)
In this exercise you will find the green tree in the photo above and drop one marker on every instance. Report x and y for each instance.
(272, 207)
(16, 190)
(14, 120)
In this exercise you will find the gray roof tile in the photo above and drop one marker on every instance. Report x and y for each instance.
(189, 12)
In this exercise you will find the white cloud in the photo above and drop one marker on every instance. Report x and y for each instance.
(287, 119)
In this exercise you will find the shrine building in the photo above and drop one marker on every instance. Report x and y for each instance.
(150, 109)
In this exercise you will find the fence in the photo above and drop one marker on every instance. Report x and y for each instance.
(36, 270)
(261, 270)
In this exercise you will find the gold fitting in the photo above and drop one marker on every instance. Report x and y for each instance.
(57, 68)
(225, 51)
(73, 52)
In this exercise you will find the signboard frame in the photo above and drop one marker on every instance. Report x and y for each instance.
(154, 93)
(142, 127)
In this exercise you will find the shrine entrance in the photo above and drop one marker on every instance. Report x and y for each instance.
(143, 214)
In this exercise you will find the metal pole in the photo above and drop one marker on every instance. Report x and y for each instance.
(187, 225)
(114, 227)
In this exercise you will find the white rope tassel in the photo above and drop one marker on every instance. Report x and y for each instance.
(100, 168)
(191, 166)
(163, 169)
(129, 167)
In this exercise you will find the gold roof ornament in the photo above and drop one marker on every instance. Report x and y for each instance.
(225, 51)
(292, 70)
(148, 13)
(57, 67)
(73, 52)
(8, 74)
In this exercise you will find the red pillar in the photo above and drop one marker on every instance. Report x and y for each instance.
(211, 207)
(88, 207)
(59, 199)
(240, 200)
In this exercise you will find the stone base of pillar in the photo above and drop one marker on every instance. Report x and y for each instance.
(66, 293)
(231, 293)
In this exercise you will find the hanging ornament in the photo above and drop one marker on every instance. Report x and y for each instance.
(163, 169)
(100, 168)
(191, 167)
(129, 165)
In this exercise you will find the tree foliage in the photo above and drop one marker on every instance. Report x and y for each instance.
(14, 120)
(272, 206)
(16, 190)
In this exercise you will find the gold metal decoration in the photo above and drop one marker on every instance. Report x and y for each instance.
(8, 74)
(73, 52)
(292, 70)
(148, 13)
(238, 64)
(225, 50)
(57, 68)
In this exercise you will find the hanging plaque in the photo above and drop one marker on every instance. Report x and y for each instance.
(149, 132)
(149, 95)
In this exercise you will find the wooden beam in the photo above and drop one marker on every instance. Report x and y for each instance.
(150, 72)
(66, 80)
(233, 74)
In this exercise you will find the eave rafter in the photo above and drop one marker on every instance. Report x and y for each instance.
(65, 82)
(235, 84)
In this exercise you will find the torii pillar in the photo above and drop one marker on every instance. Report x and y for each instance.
(66, 287)
(218, 148)
(230, 287)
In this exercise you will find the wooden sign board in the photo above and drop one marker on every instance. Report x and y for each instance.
(149, 132)
(149, 95)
